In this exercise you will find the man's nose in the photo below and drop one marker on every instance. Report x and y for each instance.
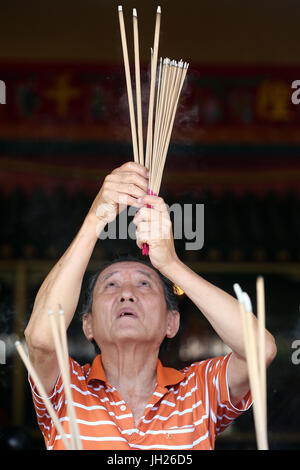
(124, 299)
(127, 294)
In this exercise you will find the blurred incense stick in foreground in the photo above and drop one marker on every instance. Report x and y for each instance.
(256, 363)
(58, 329)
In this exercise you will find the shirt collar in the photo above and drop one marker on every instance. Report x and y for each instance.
(165, 375)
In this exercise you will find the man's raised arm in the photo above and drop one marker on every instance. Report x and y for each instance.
(63, 284)
(154, 227)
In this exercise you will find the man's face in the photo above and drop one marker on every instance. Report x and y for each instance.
(129, 306)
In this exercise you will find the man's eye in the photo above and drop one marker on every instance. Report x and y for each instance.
(145, 283)
(110, 284)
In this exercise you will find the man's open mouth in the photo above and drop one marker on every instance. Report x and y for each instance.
(126, 313)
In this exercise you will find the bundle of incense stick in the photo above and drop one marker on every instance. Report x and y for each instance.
(165, 90)
(58, 329)
(255, 354)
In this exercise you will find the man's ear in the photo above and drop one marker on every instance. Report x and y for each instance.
(87, 326)
(173, 323)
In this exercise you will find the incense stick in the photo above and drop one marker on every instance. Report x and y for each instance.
(260, 293)
(174, 103)
(42, 393)
(253, 367)
(256, 383)
(58, 333)
(161, 111)
(138, 87)
(160, 105)
(157, 112)
(128, 84)
(152, 88)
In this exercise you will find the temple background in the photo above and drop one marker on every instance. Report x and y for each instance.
(235, 148)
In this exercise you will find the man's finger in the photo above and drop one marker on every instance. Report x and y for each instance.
(147, 213)
(130, 178)
(141, 238)
(157, 202)
(132, 166)
(126, 188)
(124, 199)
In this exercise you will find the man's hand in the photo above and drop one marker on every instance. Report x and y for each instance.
(154, 227)
(122, 187)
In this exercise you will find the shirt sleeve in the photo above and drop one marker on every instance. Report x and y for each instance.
(212, 374)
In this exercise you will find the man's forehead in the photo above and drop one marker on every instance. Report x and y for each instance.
(123, 267)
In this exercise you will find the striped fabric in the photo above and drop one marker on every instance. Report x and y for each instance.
(187, 410)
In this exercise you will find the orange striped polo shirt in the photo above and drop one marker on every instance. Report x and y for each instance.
(187, 410)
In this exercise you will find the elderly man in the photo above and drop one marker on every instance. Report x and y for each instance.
(127, 399)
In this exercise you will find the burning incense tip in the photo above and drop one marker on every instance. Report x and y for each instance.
(17, 343)
(134, 12)
(239, 293)
(120, 8)
(158, 10)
